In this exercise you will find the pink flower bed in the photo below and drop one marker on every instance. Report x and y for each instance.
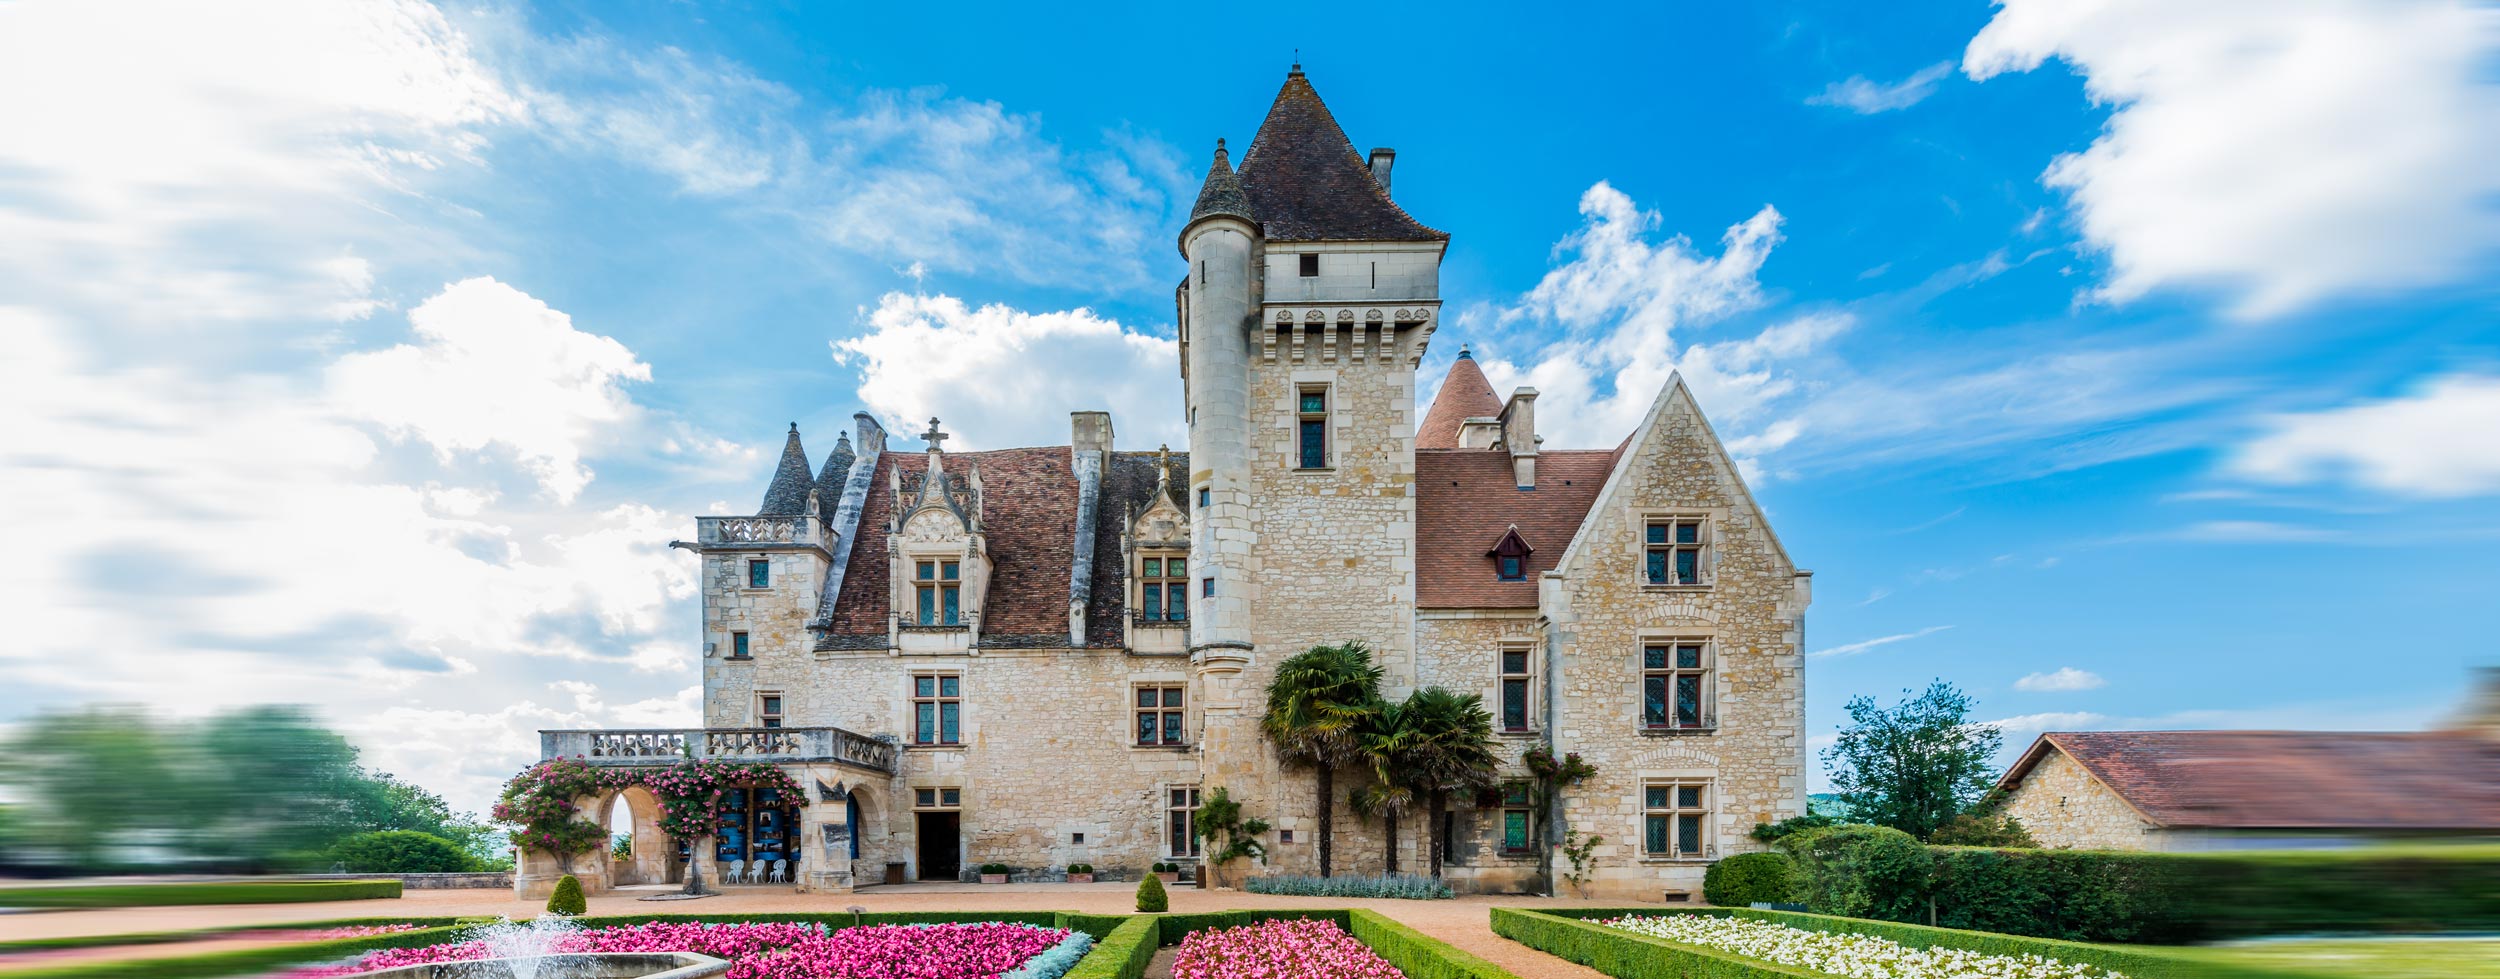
(779, 951)
(1279, 950)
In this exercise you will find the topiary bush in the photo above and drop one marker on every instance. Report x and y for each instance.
(1745, 878)
(399, 851)
(1864, 872)
(1150, 896)
(567, 900)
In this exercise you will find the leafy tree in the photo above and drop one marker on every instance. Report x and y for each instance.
(1392, 793)
(1864, 872)
(1442, 743)
(1915, 766)
(1317, 706)
(73, 773)
(1984, 829)
(399, 851)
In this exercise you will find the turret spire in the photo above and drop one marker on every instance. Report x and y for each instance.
(792, 479)
(1221, 194)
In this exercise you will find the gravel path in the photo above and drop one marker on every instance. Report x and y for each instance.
(1462, 922)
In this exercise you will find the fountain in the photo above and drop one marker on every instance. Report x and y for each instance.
(528, 951)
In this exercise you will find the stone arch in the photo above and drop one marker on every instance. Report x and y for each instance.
(873, 832)
(653, 856)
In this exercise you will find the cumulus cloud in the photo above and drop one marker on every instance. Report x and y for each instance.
(495, 367)
(2435, 442)
(1868, 97)
(2065, 679)
(2280, 151)
(1000, 376)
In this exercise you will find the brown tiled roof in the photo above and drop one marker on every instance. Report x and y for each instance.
(1028, 513)
(1465, 499)
(2438, 780)
(1464, 394)
(1305, 181)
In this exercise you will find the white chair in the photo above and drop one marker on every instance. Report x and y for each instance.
(781, 872)
(735, 867)
(755, 871)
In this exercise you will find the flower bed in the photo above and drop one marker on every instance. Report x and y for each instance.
(979, 950)
(1853, 956)
(1279, 949)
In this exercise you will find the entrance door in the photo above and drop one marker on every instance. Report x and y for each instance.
(941, 846)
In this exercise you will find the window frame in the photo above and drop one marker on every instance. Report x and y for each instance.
(1675, 812)
(757, 565)
(1669, 672)
(937, 798)
(1167, 711)
(741, 645)
(1180, 819)
(1504, 677)
(1518, 800)
(937, 596)
(937, 700)
(1307, 263)
(1660, 566)
(1160, 590)
(769, 705)
(1304, 421)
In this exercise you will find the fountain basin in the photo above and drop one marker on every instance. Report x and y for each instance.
(569, 965)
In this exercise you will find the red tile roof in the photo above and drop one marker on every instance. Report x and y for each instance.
(1464, 394)
(2437, 780)
(1465, 499)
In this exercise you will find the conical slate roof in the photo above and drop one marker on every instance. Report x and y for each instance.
(836, 472)
(1305, 181)
(787, 496)
(1222, 193)
(1464, 394)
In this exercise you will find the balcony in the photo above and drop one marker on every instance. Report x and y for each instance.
(734, 532)
(651, 748)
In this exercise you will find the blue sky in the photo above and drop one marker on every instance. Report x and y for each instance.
(2128, 365)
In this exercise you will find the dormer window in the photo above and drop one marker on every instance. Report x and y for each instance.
(938, 584)
(1510, 556)
(1163, 588)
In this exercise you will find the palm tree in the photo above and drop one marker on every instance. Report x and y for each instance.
(1319, 701)
(1389, 797)
(1443, 743)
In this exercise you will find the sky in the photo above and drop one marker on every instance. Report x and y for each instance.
(2128, 363)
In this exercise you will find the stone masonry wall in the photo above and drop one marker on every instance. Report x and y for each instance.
(2064, 806)
(774, 619)
(1461, 651)
(1750, 611)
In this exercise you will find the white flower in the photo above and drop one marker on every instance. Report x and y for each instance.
(1849, 956)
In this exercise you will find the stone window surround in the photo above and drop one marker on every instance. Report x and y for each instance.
(1534, 649)
(1503, 848)
(749, 580)
(1708, 780)
(1712, 518)
(765, 717)
(938, 787)
(734, 636)
(1187, 704)
(1138, 584)
(1163, 799)
(912, 723)
(937, 559)
(1647, 638)
(1305, 379)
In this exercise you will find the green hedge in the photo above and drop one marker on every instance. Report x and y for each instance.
(1098, 925)
(197, 934)
(1123, 953)
(167, 895)
(1575, 934)
(1171, 928)
(247, 961)
(1416, 954)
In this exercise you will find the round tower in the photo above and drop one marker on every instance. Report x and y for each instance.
(1218, 304)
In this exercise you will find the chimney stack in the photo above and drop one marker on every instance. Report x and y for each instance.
(1520, 437)
(1382, 158)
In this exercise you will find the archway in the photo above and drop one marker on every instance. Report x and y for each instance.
(639, 852)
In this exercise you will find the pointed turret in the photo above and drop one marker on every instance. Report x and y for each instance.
(787, 496)
(1304, 181)
(1221, 194)
(837, 471)
(1464, 394)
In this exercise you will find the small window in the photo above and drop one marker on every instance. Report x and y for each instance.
(1513, 569)
(738, 648)
(1076, 837)
(1161, 715)
(1180, 815)
(937, 708)
(1204, 496)
(1674, 815)
(770, 713)
(759, 574)
(1206, 588)
(937, 798)
(1515, 690)
(950, 798)
(1676, 687)
(1310, 264)
(1675, 551)
(1163, 588)
(1284, 836)
(1311, 427)
(1517, 818)
(938, 584)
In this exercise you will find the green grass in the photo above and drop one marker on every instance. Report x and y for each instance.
(2390, 958)
(210, 892)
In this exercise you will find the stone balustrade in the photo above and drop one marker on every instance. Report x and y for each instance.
(759, 530)
(624, 748)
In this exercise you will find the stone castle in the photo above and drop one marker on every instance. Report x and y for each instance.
(1045, 656)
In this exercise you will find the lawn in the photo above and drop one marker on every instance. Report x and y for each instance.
(2377, 958)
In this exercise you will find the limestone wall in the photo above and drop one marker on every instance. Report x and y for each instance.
(2062, 805)
(774, 619)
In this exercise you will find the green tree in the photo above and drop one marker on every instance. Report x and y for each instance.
(1915, 766)
(1317, 707)
(399, 851)
(73, 773)
(1443, 743)
(1392, 794)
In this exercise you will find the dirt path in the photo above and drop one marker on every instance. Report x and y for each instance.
(1463, 922)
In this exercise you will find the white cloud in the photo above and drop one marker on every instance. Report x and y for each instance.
(1852, 649)
(2437, 442)
(1002, 377)
(494, 366)
(2067, 720)
(1868, 98)
(2283, 150)
(2066, 679)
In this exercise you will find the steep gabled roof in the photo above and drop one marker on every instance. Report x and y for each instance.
(787, 496)
(2365, 780)
(1466, 499)
(1305, 181)
(1464, 394)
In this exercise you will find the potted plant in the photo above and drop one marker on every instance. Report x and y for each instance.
(993, 873)
(1080, 873)
(1169, 873)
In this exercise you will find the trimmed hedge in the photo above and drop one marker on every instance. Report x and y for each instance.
(1416, 954)
(1123, 953)
(1741, 880)
(197, 934)
(1575, 934)
(218, 892)
(238, 962)
(1171, 928)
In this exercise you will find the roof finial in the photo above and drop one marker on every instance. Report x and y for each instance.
(1463, 354)
(794, 428)
(1163, 466)
(1297, 63)
(933, 436)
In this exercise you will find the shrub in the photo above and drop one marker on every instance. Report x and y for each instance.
(995, 868)
(567, 900)
(1150, 896)
(1864, 872)
(166, 895)
(399, 852)
(1123, 953)
(1745, 878)
(1407, 886)
(1772, 832)
(1995, 829)
(1080, 868)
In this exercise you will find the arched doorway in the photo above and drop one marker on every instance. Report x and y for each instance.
(639, 852)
